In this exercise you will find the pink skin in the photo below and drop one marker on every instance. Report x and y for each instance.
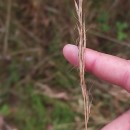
(109, 68)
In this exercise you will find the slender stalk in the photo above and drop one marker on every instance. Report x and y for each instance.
(8, 19)
(82, 45)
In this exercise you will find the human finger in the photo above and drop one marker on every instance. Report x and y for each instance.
(110, 68)
(121, 123)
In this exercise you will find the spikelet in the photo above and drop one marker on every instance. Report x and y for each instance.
(82, 45)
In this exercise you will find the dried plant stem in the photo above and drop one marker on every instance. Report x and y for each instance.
(8, 19)
(82, 46)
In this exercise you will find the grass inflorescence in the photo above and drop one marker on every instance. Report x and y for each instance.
(82, 45)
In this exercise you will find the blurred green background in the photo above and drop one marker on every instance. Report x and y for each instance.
(39, 90)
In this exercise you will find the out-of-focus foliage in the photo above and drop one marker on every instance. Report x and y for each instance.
(38, 88)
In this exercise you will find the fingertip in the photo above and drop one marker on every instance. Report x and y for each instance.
(65, 49)
(70, 53)
(121, 123)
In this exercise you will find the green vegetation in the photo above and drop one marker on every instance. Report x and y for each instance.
(121, 34)
(103, 20)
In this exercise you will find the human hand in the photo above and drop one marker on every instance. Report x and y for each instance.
(109, 68)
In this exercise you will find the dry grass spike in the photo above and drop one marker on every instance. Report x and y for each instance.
(82, 45)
